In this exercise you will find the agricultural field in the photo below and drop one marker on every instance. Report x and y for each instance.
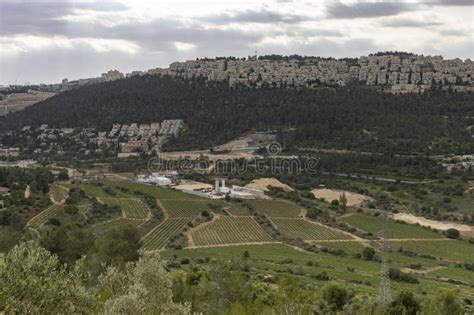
(236, 209)
(159, 236)
(59, 193)
(278, 259)
(349, 247)
(228, 230)
(107, 226)
(455, 273)
(44, 215)
(185, 208)
(157, 192)
(98, 190)
(276, 208)
(375, 225)
(131, 207)
(450, 250)
(300, 228)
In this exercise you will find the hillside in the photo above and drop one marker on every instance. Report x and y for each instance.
(348, 118)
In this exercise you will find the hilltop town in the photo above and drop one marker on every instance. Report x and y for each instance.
(400, 73)
(391, 72)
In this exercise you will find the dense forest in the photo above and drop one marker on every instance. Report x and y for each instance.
(352, 117)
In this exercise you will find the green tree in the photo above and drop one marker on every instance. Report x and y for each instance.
(404, 303)
(343, 201)
(336, 296)
(445, 303)
(142, 287)
(34, 281)
(368, 253)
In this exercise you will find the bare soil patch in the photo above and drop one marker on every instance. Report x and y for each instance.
(353, 199)
(192, 186)
(412, 219)
(264, 183)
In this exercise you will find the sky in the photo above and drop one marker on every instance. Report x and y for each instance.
(46, 41)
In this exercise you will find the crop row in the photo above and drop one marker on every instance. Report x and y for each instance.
(133, 208)
(59, 193)
(300, 228)
(228, 230)
(113, 224)
(185, 208)
(160, 235)
(276, 208)
(44, 215)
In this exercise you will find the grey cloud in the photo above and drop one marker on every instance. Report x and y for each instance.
(451, 3)
(43, 17)
(324, 48)
(255, 16)
(405, 22)
(339, 10)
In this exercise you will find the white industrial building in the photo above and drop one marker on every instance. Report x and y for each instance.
(155, 179)
(220, 191)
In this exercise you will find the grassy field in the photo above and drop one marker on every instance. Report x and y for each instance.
(448, 250)
(132, 208)
(44, 215)
(275, 259)
(228, 230)
(58, 192)
(276, 208)
(374, 225)
(300, 228)
(350, 248)
(160, 235)
(185, 208)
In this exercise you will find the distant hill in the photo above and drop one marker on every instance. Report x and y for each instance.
(349, 117)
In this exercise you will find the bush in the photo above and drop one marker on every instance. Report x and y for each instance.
(368, 253)
(452, 233)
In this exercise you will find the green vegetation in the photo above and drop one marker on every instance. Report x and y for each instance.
(46, 214)
(132, 208)
(448, 250)
(374, 225)
(160, 235)
(300, 228)
(228, 230)
(275, 208)
(184, 208)
(59, 193)
(397, 124)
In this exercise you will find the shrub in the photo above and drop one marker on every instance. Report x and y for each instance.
(452, 233)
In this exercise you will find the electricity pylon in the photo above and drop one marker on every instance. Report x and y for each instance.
(385, 296)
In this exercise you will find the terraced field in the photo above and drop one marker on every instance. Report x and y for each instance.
(375, 225)
(132, 208)
(157, 192)
(44, 215)
(236, 209)
(449, 250)
(276, 208)
(300, 228)
(185, 208)
(59, 193)
(160, 235)
(228, 230)
(105, 227)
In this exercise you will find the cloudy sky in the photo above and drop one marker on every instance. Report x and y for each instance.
(45, 41)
